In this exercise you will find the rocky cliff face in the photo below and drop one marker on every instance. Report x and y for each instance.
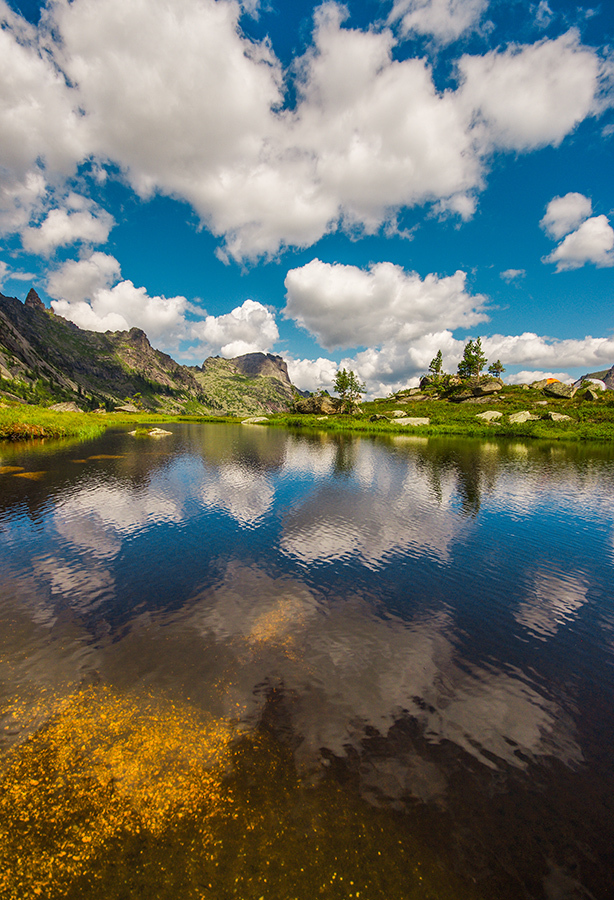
(44, 358)
(256, 382)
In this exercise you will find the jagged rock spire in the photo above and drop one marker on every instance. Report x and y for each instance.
(33, 301)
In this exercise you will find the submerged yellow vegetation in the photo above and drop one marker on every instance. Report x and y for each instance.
(119, 796)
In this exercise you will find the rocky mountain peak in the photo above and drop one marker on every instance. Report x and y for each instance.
(33, 301)
(267, 364)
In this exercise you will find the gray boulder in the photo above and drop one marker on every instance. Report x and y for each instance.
(412, 420)
(491, 415)
(557, 417)
(316, 405)
(65, 407)
(491, 386)
(520, 417)
(559, 390)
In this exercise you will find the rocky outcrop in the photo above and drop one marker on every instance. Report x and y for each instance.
(261, 364)
(484, 388)
(318, 404)
(33, 301)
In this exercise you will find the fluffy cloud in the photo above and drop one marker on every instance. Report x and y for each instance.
(4, 270)
(38, 122)
(510, 275)
(185, 104)
(21, 199)
(125, 306)
(586, 239)
(312, 374)
(530, 96)
(344, 306)
(532, 349)
(79, 280)
(246, 329)
(444, 19)
(565, 214)
(592, 242)
(528, 377)
(81, 221)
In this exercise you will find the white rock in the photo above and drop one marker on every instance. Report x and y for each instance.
(520, 417)
(410, 420)
(254, 420)
(490, 416)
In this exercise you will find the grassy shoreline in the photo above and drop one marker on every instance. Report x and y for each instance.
(589, 420)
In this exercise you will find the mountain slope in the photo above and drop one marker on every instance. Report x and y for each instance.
(45, 359)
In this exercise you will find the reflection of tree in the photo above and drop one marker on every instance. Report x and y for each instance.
(345, 454)
(475, 465)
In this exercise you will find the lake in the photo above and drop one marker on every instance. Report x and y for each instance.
(243, 662)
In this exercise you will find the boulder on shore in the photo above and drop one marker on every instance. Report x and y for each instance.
(520, 417)
(412, 420)
(316, 405)
(490, 386)
(65, 407)
(491, 415)
(559, 390)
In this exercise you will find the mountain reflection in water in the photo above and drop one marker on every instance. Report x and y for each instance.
(249, 663)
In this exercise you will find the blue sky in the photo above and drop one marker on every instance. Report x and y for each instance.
(355, 185)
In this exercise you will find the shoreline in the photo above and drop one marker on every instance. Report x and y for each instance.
(589, 421)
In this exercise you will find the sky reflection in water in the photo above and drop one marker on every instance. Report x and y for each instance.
(407, 616)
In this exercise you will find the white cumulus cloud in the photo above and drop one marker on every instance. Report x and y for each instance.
(565, 214)
(446, 20)
(185, 104)
(249, 328)
(78, 280)
(345, 306)
(592, 242)
(533, 95)
(82, 221)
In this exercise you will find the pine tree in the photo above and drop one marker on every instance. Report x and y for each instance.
(349, 388)
(436, 365)
(496, 369)
(473, 360)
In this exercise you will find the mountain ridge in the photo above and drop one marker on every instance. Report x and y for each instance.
(45, 358)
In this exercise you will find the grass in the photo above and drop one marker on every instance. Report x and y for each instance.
(23, 422)
(589, 420)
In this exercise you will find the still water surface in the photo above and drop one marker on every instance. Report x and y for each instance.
(239, 662)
